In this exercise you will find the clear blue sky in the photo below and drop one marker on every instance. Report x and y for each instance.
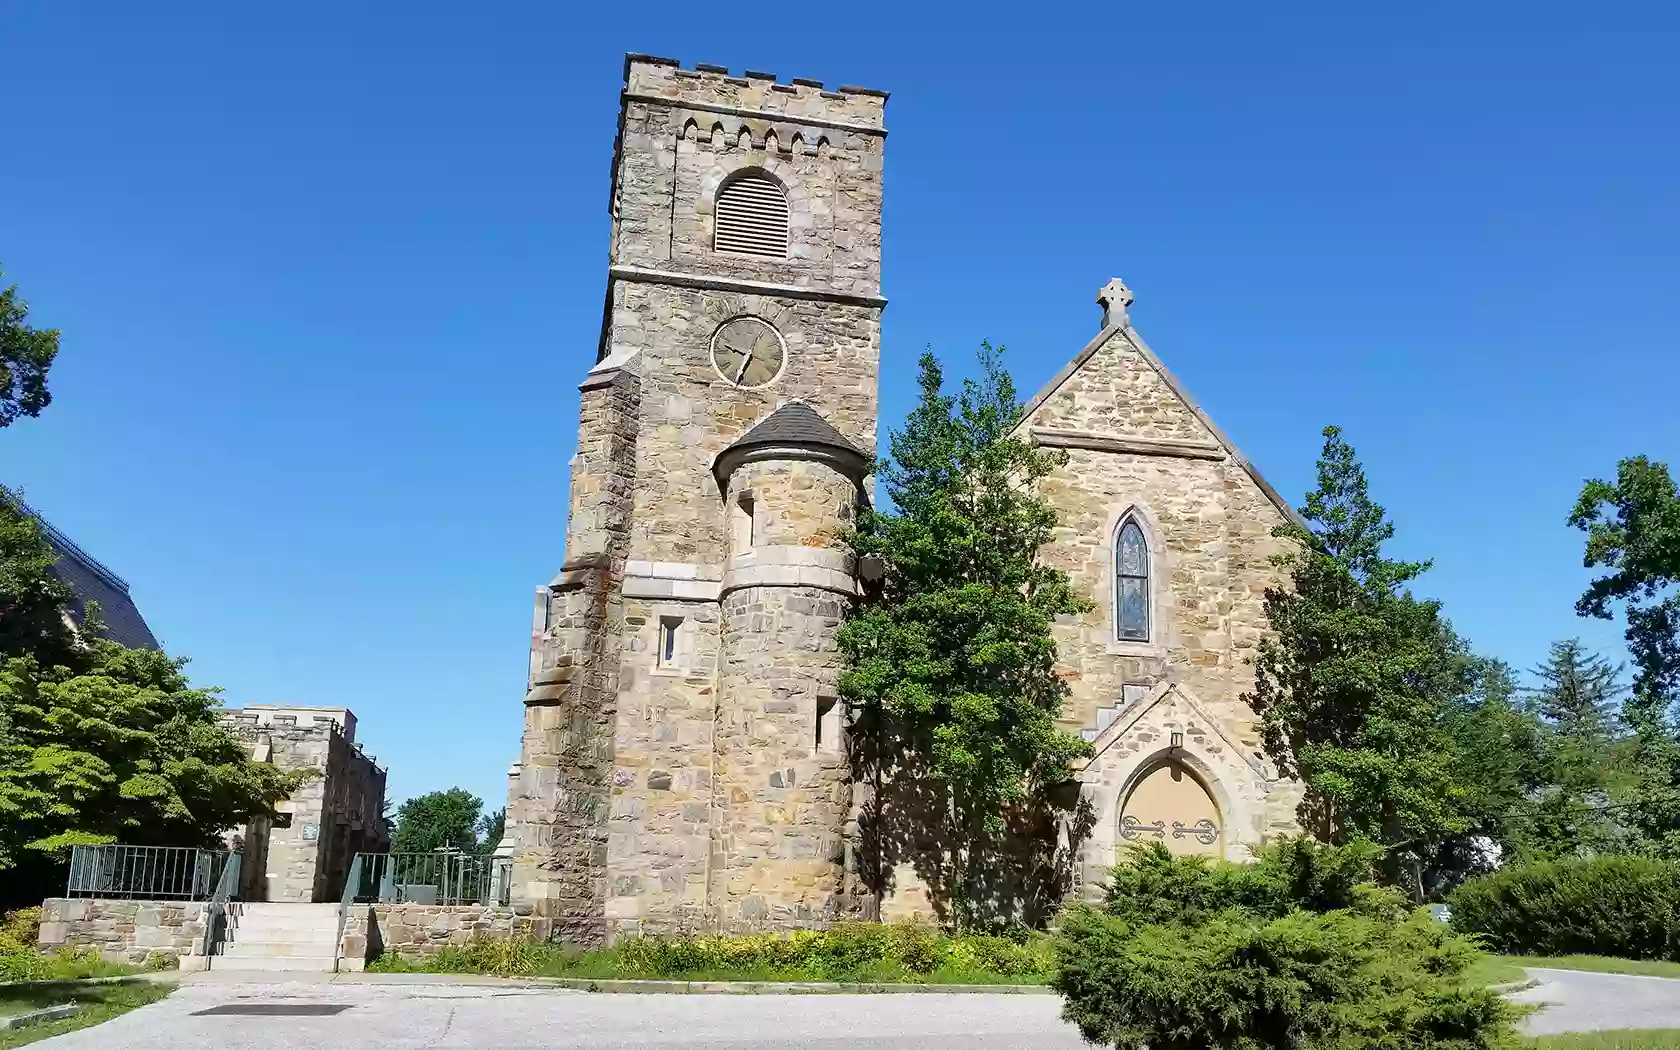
(329, 274)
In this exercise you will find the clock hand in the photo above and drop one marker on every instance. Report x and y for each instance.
(746, 359)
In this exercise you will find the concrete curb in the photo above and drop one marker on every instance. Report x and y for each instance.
(154, 976)
(787, 988)
(47, 1013)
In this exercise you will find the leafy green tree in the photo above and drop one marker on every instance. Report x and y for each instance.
(950, 663)
(25, 356)
(1353, 687)
(1633, 534)
(492, 826)
(438, 819)
(32, 597)
(98, 742)
(1498, 761)
(120, 749)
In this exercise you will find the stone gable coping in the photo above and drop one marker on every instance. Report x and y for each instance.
(1135, 341)
(1131, 714)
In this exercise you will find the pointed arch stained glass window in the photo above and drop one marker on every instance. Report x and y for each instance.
(1131, 584)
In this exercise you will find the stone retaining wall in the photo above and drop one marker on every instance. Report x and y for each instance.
(125, 931)
(422, 929)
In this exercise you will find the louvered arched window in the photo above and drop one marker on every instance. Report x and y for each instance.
(752, 217)
(1131, 584)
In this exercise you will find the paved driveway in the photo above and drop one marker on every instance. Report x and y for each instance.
(458, 1015)
(1587, 1002)
(443, 1015)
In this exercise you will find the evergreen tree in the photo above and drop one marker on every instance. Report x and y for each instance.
(1578, 692)
(949, 663)
(1633, 533)
(1353, 687)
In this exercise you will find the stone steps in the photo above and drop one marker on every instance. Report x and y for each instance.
(310, 963)
(280, 937)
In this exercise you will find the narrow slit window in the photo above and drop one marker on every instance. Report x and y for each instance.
(1131, 584)
(669, 627)
(744, 524)
(828, 725)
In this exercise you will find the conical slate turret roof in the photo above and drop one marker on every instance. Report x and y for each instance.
(794, 426)
(795, 423)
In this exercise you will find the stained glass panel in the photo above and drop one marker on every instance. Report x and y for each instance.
(1131, 585)
(1134, 608)
(1134, 556)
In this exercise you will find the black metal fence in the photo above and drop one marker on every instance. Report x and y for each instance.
(145, 872)
(439, 877)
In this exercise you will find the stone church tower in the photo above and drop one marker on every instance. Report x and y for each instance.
(681, 762)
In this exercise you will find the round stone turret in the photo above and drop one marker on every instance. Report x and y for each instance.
(792, 486)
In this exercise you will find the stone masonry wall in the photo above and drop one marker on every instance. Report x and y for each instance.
(123, 931)
(418, 930)
(779, 800)
(333, 815)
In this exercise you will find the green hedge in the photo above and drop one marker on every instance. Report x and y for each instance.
(1627, 907)
(1295, 952)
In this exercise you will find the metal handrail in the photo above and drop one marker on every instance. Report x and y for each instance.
(119, 872)
(352, 883)
(215, 910)
(439, 877)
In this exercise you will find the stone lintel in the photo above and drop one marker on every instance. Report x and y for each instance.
(1140, 446)
(666, 587)
(672, 570)
(734, 284)
(763, 114)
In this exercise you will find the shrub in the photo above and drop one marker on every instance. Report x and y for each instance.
(1295, 952)
(1623, 906)
(845, 952)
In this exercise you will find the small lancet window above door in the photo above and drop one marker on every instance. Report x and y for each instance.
(1131, 584)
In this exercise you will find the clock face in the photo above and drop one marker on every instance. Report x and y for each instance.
(747, 352)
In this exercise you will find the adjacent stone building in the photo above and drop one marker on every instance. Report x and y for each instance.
(303, 854)
(684, 761)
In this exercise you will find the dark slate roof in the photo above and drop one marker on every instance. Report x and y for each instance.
(795, 423)
(91, 581)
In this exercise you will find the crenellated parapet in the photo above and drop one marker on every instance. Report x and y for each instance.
(709, 88)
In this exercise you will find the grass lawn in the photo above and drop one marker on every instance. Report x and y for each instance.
(99, 1002)
(1631, 1039)
(1602, 964)
(1508, 969)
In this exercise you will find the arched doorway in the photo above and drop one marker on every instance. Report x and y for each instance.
(1170, 805)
